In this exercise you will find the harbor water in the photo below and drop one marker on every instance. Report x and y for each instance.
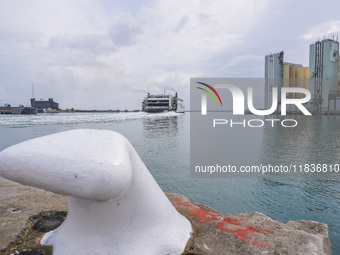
(162, 141)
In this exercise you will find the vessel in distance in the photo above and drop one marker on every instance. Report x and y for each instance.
(162, 103)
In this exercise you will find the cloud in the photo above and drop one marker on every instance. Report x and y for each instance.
(124, 30)
(244, 66)
(3, 96)
(96, 50)
(97, 44)
(181, 24)
(322, 30)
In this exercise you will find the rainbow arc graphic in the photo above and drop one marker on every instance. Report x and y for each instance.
(209, 93)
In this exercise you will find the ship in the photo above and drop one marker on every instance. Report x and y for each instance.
(162, 103)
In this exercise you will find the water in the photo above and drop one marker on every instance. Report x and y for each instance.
(162, 141)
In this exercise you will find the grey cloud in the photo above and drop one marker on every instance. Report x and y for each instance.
(89, 43)
(204, 16)
(125, 31)
(181, 24)
(7, 36)
(134, 90)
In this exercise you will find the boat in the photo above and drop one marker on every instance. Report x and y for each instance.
(162, 103)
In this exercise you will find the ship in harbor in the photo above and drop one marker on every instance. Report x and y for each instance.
(162, 103)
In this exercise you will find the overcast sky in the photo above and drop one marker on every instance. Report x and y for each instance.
(108, 54)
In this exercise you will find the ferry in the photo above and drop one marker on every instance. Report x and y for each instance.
(162, 103)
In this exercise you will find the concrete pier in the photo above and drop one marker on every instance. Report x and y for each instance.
(214, 233)
(18, 203)
(17, 110)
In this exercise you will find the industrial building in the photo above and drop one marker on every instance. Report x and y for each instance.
(324, 76)
(280, 74)
(273, 77)
(42, 105)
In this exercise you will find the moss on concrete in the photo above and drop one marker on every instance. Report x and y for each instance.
(28, 241)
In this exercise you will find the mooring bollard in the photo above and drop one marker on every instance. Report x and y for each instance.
(115, 205)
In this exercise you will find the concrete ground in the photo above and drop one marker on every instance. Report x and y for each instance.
(18, 202)
(213, 233)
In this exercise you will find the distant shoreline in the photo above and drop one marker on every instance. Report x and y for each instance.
(117, 111)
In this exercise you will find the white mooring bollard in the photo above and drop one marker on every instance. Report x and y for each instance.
(115, 205)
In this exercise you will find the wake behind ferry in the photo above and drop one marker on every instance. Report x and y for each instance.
(162, 103)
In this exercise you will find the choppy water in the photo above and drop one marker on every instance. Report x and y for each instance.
(162, 141)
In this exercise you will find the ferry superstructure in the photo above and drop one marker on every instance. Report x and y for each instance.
(161, 103)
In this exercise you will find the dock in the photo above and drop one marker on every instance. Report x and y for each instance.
(17, 110)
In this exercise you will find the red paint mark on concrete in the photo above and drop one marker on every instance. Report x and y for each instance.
(184, 203)
(201, 213)
(240, 233)
(205, 216)
(231, 221)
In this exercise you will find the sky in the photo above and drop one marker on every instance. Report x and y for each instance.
(109, 54)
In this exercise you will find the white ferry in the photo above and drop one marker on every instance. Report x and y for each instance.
(162, 103)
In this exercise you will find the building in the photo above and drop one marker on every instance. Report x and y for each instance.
(17, 110)
(324, 75)
(280, 74)
(296, 76)
(273, 77)
(42, 105)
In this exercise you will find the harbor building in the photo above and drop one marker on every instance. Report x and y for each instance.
(280, 74)
(324, 76)
(17, 110)
(273, 77)
(42, 105)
